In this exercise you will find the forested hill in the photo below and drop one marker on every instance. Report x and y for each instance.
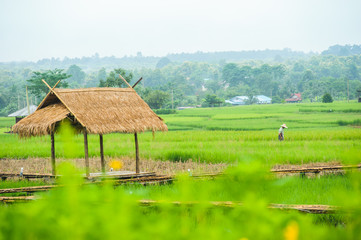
(346, 50)
(234, 56)
(132, 62)
(96, 62)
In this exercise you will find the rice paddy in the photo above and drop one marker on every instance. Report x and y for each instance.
(224, 135)
(243, 138)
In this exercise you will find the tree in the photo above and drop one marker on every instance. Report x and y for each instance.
(102, 74)
(212, 99)
(156, 99)
(326, 98)
(163, 62)
(76, 75)
(114, 80)
(352, 72)
(39, 89)
(276, 99)
(212, 85)
(231, 74)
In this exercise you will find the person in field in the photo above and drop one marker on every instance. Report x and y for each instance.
(281, 135)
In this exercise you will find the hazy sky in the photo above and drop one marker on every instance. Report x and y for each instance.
(35, 29)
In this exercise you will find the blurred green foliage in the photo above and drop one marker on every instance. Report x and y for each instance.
(101, 212)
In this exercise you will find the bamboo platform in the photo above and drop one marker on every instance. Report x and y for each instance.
(107, 175)
(16, 199)
(316, 169)
(28, 189)
(312, 209)
(5, 175)
(130, 174)
(143, 179)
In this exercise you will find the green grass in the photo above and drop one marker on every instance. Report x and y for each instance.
(267, 117)
(20, 183)
(228, 135)
(6, 122)
(300, 146)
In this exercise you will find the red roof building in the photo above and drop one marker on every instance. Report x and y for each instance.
(296, 97)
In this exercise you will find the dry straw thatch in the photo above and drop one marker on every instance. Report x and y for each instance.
(99, 110)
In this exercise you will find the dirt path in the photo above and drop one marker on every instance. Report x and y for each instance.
(42, 165)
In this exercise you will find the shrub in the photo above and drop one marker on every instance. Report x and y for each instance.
(165, 111)
(326, 98)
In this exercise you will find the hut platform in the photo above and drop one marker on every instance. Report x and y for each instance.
(97, 175)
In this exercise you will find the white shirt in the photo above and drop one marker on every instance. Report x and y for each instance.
(281, 130)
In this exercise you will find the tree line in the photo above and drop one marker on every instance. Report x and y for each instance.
(172, 85)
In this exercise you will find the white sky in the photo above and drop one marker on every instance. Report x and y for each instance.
(36, 29)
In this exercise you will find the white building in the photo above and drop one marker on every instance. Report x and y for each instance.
(242, 100)
(262, 99)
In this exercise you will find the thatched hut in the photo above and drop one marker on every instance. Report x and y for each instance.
(91, 111)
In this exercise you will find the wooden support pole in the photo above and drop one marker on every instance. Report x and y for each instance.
(86, 152)
(136, 153)
(348, 92)
(53, 168)
(102, 152)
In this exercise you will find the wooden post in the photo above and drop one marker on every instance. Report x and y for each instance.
(53, 170)
(27, 100)
(86, 152)
(136, 153)
(348, 92)
(102, 152)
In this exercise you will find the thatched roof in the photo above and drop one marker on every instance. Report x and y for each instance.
(99, 110)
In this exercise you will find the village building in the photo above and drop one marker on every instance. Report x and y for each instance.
(242, 100)
(295, 98)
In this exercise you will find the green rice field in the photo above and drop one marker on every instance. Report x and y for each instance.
(317, 133)
(244, 137)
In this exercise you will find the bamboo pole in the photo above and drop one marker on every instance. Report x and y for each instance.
(125, 81)
(86, 152)
(314, 209)
(102, 152)
(51, 91)
(53, 167)
(348, 92)
(27, 100)
(136, 153)
(140, 79)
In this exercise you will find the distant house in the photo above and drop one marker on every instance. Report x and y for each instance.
(242, 100)
(296, 97)
(262, 99)
(238, 100)
(182, 108)
(20, 114)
